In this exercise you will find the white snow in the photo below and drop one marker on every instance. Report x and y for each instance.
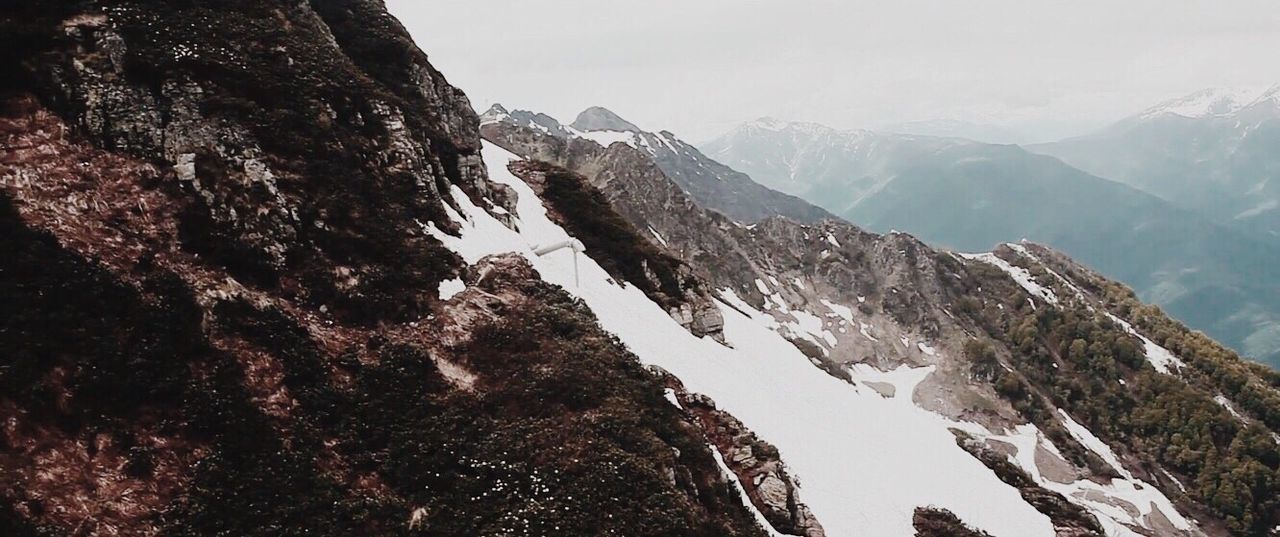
(450, 288)
(867, 462)
(658, 236)
(865, 329)
(607, 138)
(1087, 439)
(1226, 403)
(925, 348)
(731, 298)
(1114, 519)
(1159, 357)
(1206, 103)
(1019, 274)
(671, 396)
(832, 240)
(764, 289)
(812, 324)
(844, 312)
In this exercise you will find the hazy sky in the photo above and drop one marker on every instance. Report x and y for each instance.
(699, 67)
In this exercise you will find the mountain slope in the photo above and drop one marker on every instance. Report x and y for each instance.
(229, 313)
(988, 344)
(1212, 152)
(967, 196)
(362, 326)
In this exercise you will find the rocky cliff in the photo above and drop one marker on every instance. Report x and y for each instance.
(227, 310)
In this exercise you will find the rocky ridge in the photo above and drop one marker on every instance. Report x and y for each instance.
(230, 313)
(713, 185)
(862, 305)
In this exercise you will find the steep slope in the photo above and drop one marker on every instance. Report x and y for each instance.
(968, 196)
(246, 341)
(1034, 376)
(228, 311)
(711, 184)
(1212, 152)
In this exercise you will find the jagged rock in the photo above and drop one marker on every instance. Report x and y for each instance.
(214, 242)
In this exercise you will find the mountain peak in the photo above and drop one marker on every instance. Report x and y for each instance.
(1272, 95)
(1205, 103)
(494, 114)
(599, 118)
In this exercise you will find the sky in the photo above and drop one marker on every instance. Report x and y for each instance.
(1041, 69)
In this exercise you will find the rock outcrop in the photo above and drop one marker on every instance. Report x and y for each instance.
(223, 311)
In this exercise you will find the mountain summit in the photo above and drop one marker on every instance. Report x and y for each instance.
(598, 118)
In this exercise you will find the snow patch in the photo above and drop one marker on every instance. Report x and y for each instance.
(670, 394)
(1098, 499)
(1019, 274)
(865, 329)
(1226, 403)
(844, 312)
(1087, 439)
(658, 236)
(606, 138)
(1159, 357)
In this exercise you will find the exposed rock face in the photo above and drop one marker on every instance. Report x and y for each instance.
(757, 465)
(611, 241)
(273, 203)
(222, 311)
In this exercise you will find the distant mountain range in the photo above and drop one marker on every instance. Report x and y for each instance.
(1215, 151)
(957, 128)
(968, 195)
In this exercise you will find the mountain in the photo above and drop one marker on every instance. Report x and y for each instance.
(976, 340)
(967, 195)
(1213, 152)
(229, 310)
(712, 184)
(263, 276)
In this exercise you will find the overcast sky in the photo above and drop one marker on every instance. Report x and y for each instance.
(699, 67)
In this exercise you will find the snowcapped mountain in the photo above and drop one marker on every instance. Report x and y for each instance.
(710, 183)
(281, 285)
(1213, 152)
(1205, 103)
(966, 195)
